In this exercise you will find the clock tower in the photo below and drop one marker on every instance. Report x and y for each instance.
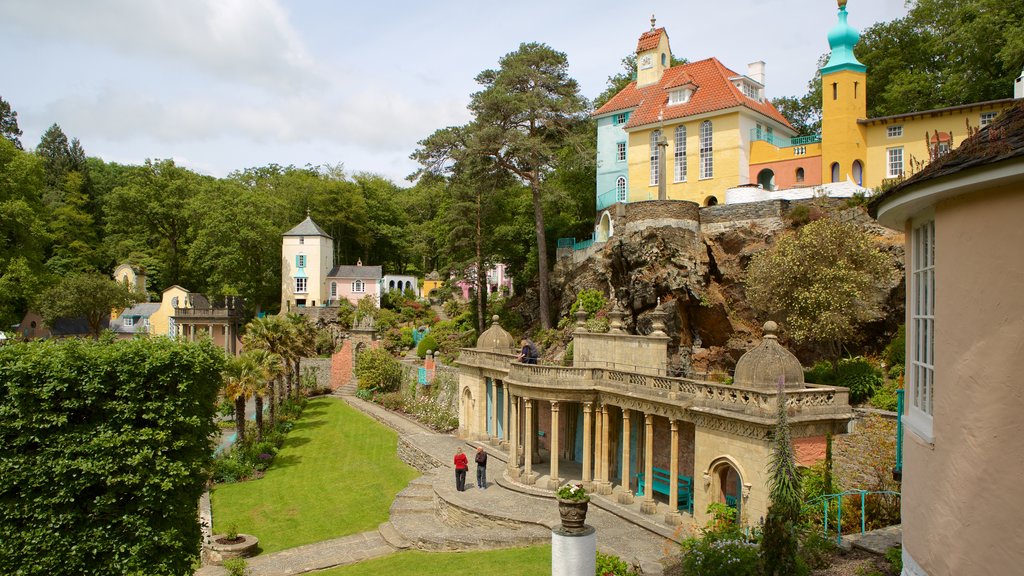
(653, 55)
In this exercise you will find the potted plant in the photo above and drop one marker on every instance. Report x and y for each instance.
(573, 501)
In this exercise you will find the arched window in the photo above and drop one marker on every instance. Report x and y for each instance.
(680, 164)
(358, 286)
(655, 157)
(620, 189)
(835, 171)
(799, 174)
(664, 59)
(858, 173)
(334, 289)
(766, 179)
(706, 144)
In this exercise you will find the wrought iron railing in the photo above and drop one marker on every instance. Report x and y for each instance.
(897, 471)
(606, 199)
(782, 141)
(826, 500)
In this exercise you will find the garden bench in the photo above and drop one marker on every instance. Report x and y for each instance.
(660, 486)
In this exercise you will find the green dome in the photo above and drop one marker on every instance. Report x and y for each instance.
(841, 39)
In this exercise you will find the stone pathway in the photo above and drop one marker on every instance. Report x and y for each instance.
(876, 541)
(430, 514)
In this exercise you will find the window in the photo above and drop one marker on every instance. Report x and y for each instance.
(664, 59)
(771, 135)
(300, 285)
(894, 131)
(835, 172)
(680, 164)
(943, 148)
(681, 96)
(749, 90)
(358, 287)
(302, 239)
(620, 189)
(334, 289)
(758, 131)
(655, 157)
(858, 173)
(706, 158)
(921, 333)
(300, 261)
(894, 162)
(129, 321)
(835, 91)
(987, 118)
(620, 118)
(620, 151)
(799, 174)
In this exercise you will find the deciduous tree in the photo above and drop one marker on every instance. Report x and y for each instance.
(89, 295)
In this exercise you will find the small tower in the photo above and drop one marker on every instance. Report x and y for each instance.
(843, 102)
(653, 55)
(307, 256)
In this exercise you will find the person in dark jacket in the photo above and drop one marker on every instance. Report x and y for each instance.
(481, 468)
(461, 466)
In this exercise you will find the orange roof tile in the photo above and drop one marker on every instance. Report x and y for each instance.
(713, 92)
(649, 40)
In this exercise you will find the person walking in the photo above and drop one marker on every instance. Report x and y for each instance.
(481, 468)
(461, 466)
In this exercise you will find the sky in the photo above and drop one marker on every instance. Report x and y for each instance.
(224, 85)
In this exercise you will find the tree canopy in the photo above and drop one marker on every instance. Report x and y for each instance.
(88, 295)
(9, 124)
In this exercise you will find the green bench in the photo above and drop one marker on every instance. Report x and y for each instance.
(660, 485)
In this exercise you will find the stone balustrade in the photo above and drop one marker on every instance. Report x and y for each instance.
(486, 359)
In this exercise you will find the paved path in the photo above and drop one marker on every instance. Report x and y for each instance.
(430, 514)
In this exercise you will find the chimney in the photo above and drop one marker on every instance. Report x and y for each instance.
(1018, 86)
(755, 71)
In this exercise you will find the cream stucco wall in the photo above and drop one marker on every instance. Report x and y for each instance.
(159, 320)
(961, 503)
(319, 252)
(748, 455)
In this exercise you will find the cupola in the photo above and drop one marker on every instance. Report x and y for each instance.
(762, 366)
(841, 40)
(496, 338)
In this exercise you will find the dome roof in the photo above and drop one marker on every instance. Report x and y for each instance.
(841, 39)
(495, 338)
(762, 366)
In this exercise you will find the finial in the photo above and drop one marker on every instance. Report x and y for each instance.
(359, 261)
(494, 319)
(653, 19)
(307, 211)
(842, 4)
(771, 330)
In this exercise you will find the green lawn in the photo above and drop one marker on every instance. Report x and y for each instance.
(336, 474)
(519, 561)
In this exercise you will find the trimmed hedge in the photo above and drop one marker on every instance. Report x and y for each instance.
(104, 451)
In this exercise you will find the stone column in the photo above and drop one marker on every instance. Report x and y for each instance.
(588, 455)
(672, 518)
(598, 445)
(513, 450)
(494, 410)
(554, 480)
(506, 403)
(626, 496)
(648, 506)
(605, 485)
(529, 433)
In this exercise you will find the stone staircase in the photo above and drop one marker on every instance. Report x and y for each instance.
(347, 389)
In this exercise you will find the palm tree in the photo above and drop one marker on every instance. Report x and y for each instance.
(270, 334)
(303, 343)
(238, 377)
(270, 367)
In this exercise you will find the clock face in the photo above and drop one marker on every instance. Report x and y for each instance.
(646, 62)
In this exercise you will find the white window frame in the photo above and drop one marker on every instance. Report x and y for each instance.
(680, 96)
(620, 151)
(358, 287)
(942, 148)
(620, 189)
(620, 118)
(301, 286)
(680, 154)
(300, 261)
(894, 167)
(707, 158)
(987, 118)
(655, 157)
(129, 321)
(920, 373)
(334, 289)
(894, 131)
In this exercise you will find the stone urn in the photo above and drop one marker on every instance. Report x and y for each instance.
(223, 548)
(573, 514)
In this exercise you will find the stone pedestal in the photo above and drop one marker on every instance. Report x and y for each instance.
(573, 553)
(648, 507)
(603, 488)
(528, 478)
(554, 483)
(625, 497)
(674, 519)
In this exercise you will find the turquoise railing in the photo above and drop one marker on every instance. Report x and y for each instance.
(606, 199)
(897, 471)
(566, 242)
(782, 141)
(826, 499)
(576, 244)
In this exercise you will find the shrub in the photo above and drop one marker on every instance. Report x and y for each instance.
(799, 215)
(816, 550)
(237, 567)
(346, 314)
(405, 334)
(608, 564)
(884, 398)
(114, 452)
(567, 358)
(895, 352)
(230, 468)
(821, 373)
(591, 300)
(894, 556)
(721, 549)
(428, 343)
(378, 370)
(861, 376)
(391, 401)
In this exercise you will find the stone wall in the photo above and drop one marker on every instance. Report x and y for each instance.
(742, 212)
(415, 457)
(321, 370)
(864, 459)
(658, 209)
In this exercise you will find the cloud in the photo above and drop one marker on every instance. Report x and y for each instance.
(250, 41)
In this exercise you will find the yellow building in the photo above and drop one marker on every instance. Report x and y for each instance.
(693, 131)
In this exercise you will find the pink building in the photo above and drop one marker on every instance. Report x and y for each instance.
(498, 281)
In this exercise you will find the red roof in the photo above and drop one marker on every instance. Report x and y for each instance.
(714, 91)
(649, 40)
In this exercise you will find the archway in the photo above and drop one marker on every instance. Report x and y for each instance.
(711, 201)
(858, 173)
(766, 179)
(605, 228)
(799, 175)
(466, 410)
(727, 484)
(835, 172)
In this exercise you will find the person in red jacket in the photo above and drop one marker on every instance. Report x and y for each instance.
(461, 465)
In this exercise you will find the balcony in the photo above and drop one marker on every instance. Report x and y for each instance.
(782, 141)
